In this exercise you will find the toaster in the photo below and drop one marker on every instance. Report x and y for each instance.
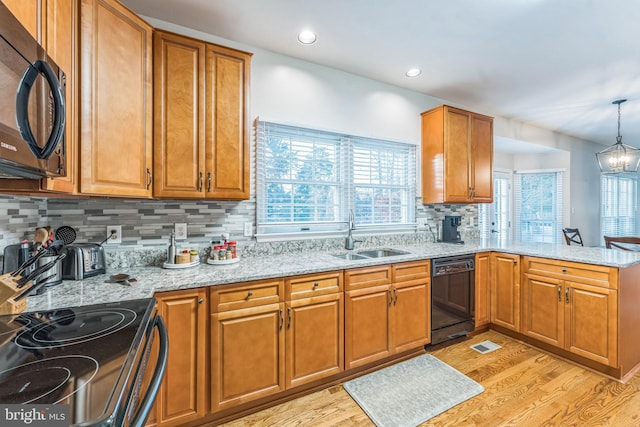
(83, 260)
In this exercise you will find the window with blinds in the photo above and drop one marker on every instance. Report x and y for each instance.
(618, 200)
(538, 206)
(309, 181)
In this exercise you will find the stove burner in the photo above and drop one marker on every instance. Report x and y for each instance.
(47, 379)
(75, 328)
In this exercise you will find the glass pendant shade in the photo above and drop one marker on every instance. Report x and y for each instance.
(619, 158)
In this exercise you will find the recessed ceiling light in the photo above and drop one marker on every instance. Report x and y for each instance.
(307, 37)
(413, 72)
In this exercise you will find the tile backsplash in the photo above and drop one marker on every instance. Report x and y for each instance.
(147, 224)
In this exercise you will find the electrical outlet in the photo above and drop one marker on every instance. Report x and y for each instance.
(181, 231)
(248, 229)
(114, 234)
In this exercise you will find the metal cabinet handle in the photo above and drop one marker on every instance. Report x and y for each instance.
(288, 317)
(208, 181)
(200, 182)
(150, 178)
(281, 321)
(559, 293)
(566, 295)
(395, 296)
(200, 300)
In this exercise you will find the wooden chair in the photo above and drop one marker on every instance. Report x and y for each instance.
(572, 235)
(624, 243)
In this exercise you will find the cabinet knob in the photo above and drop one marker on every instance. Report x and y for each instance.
(564, 270)
(200, 300)
(315, 285)
(249, 294)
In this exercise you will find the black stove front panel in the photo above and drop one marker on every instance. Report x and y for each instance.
(83, 356)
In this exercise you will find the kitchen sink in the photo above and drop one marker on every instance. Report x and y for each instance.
(370, 253)
(381, 253)
(350, 256)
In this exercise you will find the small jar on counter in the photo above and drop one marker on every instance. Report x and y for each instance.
(232, 248)
(194, 255)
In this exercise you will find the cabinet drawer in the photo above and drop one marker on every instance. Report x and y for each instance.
(596, 275)
(313, 285)
(365, 277)
(244, 295)
(408, 271)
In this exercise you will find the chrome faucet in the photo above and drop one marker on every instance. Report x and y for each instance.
(350, 241)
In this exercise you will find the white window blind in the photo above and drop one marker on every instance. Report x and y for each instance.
(618, 205)
(309, 180)
(538, 206)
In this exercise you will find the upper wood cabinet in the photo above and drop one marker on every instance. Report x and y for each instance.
(116, 102)
(457, 156)
(201, 142)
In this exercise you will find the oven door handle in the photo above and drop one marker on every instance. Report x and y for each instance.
(144, 410)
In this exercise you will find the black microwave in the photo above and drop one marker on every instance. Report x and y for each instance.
(32, 105)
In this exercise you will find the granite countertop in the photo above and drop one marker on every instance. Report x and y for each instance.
(99, 289)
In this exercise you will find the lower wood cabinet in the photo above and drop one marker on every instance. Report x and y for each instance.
(262, 345)
(386, 311)
(571, 306)
(505, 290)
(181, 398)
(482, 289)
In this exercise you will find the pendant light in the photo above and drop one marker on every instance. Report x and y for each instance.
(619, 158)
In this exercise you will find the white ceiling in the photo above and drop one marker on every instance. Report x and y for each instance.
(556, 63)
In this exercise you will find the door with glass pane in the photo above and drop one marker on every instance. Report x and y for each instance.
(495, 218)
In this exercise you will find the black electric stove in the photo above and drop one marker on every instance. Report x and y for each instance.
(92, 358)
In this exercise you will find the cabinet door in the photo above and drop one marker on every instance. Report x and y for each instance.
(178, 116)
(182, 393)
(591, 322)
(543, 309)
(482, 295)
(367, 325)
(62, 45)
(116, 113)
(247, 351)
(481, 157)
(227, 130)
(314, 338)
(505, 290)
(411, 315)
(457, 155)
(29, 13)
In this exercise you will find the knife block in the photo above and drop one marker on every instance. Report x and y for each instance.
(8, 291)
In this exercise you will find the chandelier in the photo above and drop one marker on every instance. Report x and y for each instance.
(619, 158)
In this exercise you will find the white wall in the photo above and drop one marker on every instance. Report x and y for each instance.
(292, 91)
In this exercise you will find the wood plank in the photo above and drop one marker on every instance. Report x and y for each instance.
(523, 387)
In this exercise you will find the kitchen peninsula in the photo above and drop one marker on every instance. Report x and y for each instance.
(575, 302)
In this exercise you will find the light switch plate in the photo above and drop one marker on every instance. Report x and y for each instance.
(180, 230)
(248, 229)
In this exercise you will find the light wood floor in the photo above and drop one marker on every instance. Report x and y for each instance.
(523, 387)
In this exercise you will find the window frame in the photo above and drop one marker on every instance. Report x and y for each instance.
(617, 206)
(557, 207)
(348, 147)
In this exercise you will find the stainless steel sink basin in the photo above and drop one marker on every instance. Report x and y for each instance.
(350, 256)
(381, 253)
(370, 253)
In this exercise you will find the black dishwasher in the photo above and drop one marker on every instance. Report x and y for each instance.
(452, 297)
